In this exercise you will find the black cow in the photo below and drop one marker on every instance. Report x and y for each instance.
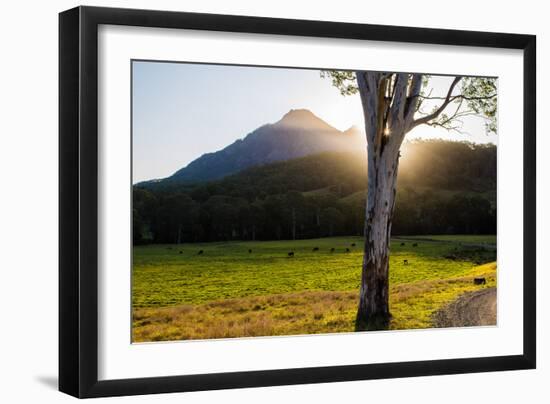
(291, 254)
(479, 281)
(402, 244)
(315, 249)
(332, 249)
(250, 251)
(405, 262)
(347, 249)
(201, 252)
(415, 244)
(353, 244)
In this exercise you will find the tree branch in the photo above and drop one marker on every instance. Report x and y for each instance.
(454, 97)
(453, 128)
(407, 101)
(397, 109)
(435, 114)
(368, 91)
(412, 103)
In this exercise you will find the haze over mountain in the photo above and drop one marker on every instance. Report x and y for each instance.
(298, 133)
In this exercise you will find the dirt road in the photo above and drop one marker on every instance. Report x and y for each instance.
(470, 309)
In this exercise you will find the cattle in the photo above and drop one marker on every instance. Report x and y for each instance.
(181, 252)
(415, 244)
(291, 254)
(479, 281)
(405, 262)
(315, 249)
(402, 244)
(347, 250)
(201, 252)
(332, 249)
(249, 251)
(451, 257)
(353, 244)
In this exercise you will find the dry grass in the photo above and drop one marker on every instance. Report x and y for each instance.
(283, 314)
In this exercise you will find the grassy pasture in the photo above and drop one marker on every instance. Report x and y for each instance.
(229, 292)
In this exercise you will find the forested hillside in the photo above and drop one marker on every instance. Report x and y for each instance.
(443, 187)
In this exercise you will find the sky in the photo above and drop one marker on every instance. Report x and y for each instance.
(181, 110)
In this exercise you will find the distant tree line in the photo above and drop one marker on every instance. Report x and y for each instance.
(444, 187)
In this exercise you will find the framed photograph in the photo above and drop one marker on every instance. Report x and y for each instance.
(252, 202)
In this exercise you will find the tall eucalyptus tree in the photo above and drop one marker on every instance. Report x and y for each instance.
(393, 106)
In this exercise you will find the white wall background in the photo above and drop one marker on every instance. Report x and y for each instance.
(28, 199)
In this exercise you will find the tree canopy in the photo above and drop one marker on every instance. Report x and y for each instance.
(466, 96)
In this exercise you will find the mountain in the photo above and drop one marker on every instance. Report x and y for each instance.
(298, 133)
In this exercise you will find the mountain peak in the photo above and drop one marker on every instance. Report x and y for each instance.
(300, 113)
(303, 118)
(352, 131)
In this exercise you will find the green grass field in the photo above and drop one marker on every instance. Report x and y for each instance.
(229, 292)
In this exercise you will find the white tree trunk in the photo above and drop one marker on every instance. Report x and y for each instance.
(389, 103)
(374, 310)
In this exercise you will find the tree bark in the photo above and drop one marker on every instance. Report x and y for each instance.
(374, 310)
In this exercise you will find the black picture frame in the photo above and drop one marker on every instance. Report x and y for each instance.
(78, 203)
